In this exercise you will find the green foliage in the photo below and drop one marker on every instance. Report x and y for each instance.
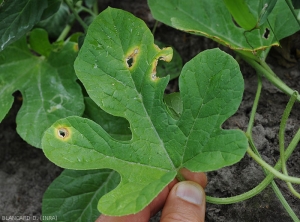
(171, 68)
(160, 145)
(47, 84)
(252, 46)
(70, 202)
(219, 25)
(241, 13)
(74, 195)
(117, 127)
(56, 23)
(14, 19)
(129, 125)
(174, 104)
(53, 6)
(39, 42)
(267, 7)
(89, 3)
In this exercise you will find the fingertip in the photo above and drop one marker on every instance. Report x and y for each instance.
(198, 177)
(186, 202)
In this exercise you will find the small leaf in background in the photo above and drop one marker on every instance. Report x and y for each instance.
(89, 3)
(17, 18)
(116, 127)
(55, 24)
(74, 37)
(74, 195)
(241, 13)
(174, 104)
(39, 42)
(48, 86)
(172, 68)
(89, 19)
(192, 17)
(267, 8)
(117, 66)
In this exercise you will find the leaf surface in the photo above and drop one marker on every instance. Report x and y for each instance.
(55, 24)
(117, 127)
(39, 42)
(74, 195)
(47, 85)
(17, 18)
(53, 6)
(171, 68)
(211, 88)
(211, 19)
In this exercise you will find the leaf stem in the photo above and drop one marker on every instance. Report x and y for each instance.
(82, 8)
(95, 8)
(64, 33)
(81, 22)
(262, 67)
(249, 135)
(271, 169)
(274, 186)
(260, 187)
(254, 106)
(281, 140)
(154, 27)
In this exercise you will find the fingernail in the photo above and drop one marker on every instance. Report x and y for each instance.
(190, 193)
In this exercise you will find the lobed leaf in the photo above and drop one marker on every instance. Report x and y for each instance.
(117, 66)
(211, 19)
(47, 85)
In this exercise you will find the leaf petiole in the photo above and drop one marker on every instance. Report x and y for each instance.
(281, 139)
(64, 33)
(82, 23)
(260, 187)
(249, 135)
(271, 169)
(262, 67)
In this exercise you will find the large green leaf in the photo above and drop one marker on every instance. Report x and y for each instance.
(17, 18)
(74, 195)
(211, 18)
(211, 87)
(47, 85)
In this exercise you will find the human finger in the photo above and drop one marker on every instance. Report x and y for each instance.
(186, 202)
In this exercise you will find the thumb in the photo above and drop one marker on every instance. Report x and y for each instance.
(186, 202)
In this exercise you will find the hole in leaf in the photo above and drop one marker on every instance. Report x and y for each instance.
(129, 62)
(63, 133)
(131, 58)
(266, 33)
